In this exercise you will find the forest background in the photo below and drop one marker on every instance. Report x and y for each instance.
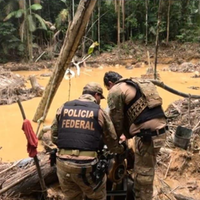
(35, 29)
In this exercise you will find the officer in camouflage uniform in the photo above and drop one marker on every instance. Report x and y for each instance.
(136, 114)
(79, 130)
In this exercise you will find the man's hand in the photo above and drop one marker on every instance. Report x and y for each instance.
(120, 157)
(124, 144)
(122, 138)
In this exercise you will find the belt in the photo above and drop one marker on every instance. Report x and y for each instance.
(77, 152)
(77, 161)
(154, 133)
(75, 168)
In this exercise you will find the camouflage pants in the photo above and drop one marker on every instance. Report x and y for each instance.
(144, 166)
(72, 184)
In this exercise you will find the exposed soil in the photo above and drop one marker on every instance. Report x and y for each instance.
(178, 169)
(178, 163)
(133, 53)
(179, 57)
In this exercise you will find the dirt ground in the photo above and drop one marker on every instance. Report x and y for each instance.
(179, 163)
(178, 169)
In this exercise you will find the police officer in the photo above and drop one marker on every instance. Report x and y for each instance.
(79, 129)
(136, 110)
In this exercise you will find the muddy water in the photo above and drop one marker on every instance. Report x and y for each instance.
(12, 138)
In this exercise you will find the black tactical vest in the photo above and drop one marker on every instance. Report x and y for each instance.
(78, 126)
(148, 113)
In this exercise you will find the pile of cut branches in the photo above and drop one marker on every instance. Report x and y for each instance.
(20, 179)
(184, 67)
(184, 112)
(178, 168)
(13, 86)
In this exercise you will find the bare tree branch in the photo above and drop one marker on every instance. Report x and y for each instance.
(162, 85)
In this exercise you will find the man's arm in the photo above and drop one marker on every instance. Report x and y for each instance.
(54, 131)
(54, 126)
(116, 105)
(109, 135)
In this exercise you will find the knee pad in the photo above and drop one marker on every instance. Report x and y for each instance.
(144, 176)
(144, 179)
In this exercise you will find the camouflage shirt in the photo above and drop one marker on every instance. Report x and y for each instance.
(116, 103)
(109, 135)
(119, 96)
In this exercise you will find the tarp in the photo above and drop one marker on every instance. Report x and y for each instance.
(31, 138)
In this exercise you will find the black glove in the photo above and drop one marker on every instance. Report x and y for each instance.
(52, 157)
(124, 144)
(120, 157)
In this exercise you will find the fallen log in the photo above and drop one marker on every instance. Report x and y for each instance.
(23, 179)
(38, 89)
(12, 86)
(182, 197)
(7, 169)
(162, 190)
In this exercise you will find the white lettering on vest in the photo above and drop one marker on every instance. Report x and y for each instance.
(71, 123)
(78, 113)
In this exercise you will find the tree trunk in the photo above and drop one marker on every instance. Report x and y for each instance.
(21, 4)
(29, 34)
(146, 6)
(23, 178)
(72, 9)
(37, 88)
(72, 39)
(118, 23)
(157, 37)
(168, 21)
(199, 7)
(123, 20)
(99, 30)
(37, 1)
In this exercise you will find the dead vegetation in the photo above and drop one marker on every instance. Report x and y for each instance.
(135, 52)
(13, 86)
(177, 172)
(178, 169)
(20, 180)
(185, 67)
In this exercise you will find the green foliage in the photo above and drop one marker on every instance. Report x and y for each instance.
(64, 1)
(9, 44)
(62, 18)
(42, 24)
(52, 9)
(131, 21)
(189, 35)
(184, 22)
(108, 47)
(108, 27)
(35, 7)
(16, 14)
(29, 16)
(31, 23)
(91, 48)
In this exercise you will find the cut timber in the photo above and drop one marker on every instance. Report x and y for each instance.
(182, 197)
(162, 190)
(23, 178)
(38, 89)
(73, 37)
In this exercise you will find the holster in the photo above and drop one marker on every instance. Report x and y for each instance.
(99, 172)
(145, 135)
(52, 157)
